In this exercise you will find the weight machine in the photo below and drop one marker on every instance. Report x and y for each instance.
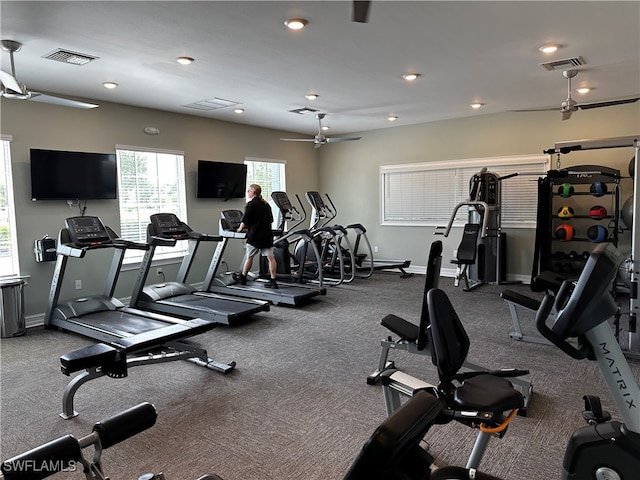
(480, 258)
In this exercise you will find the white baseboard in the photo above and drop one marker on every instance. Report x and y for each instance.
(34, 320)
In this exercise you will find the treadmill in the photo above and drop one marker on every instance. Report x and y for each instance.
(129, 336)
(179, 298)
(291, 294)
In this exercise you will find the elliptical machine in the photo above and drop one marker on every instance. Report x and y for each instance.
(336, 254)
(605, 449)
(290, 267)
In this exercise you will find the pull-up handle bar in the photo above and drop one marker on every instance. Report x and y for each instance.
(483, 205)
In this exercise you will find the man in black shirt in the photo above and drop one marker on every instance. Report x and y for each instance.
(256, 221)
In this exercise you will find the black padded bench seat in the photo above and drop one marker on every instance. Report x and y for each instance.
(520, 299)
(401, 327)
(102, 354)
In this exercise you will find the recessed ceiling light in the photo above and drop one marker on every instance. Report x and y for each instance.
(583, 90)
(325, 127)
(296, 23)
(410, 77)
(476, 105)
(185, 60)
(239, 110)
(311, 96)
(109, 85)
(550, 48)
(392, 118)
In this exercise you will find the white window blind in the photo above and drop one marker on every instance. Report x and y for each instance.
(149, 181)
(8, 240)
(427, 193)
(270, 175)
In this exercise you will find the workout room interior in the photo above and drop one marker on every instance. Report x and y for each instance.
(413, 160)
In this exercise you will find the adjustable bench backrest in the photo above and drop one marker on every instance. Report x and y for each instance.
(467, 248)
(431, 281)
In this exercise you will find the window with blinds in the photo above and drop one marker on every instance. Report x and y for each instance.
(427, 193)
(8, 240)
(150, 181)
(269, 174)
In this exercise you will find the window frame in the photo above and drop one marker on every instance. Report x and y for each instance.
(266, 192)
(162, 254)
(5, 141)
(459, 173)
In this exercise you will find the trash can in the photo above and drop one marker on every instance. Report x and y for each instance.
(12, 308)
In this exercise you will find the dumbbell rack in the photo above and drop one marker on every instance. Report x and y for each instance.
(568, 257)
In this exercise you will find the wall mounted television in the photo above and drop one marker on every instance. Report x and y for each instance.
(221, 180)
(60, 175)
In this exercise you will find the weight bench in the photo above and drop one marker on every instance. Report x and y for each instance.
(114, 358)
(466, 256)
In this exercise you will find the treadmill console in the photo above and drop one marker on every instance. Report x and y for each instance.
(168, 225)
(229, 223)
(231, 219)
(86, 231)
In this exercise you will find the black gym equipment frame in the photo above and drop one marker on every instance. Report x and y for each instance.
(365, 263)
(289, 294)
(178, 298)
(632, 349)
(129, 336)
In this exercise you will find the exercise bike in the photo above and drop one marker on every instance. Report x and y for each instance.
(604, 449)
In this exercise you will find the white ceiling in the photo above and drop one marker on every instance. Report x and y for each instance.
(466, 52)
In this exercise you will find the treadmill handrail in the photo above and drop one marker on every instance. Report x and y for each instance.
(157, 241)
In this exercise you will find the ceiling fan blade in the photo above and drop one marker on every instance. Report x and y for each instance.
(298, 139)
(549, 109)
(360, 11)
(10, 82)
(63, 102)
(586, 106)
(341, 139)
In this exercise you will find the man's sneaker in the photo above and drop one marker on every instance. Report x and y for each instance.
(238, 277)
(271, 284)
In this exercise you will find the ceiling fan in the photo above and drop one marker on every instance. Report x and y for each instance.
(10, 88)
(360, 11)
(570, 105)
(320, 139)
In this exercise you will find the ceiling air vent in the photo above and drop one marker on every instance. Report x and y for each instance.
(563, 64)
(211, 104)
(67, 56)
(303, 110)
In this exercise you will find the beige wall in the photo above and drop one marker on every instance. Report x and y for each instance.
(36, 125)
(349, 172)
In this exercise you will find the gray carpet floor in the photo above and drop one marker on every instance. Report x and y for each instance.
(297, 406)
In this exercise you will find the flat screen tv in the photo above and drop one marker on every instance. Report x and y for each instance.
(221, 180)
(60, 175)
